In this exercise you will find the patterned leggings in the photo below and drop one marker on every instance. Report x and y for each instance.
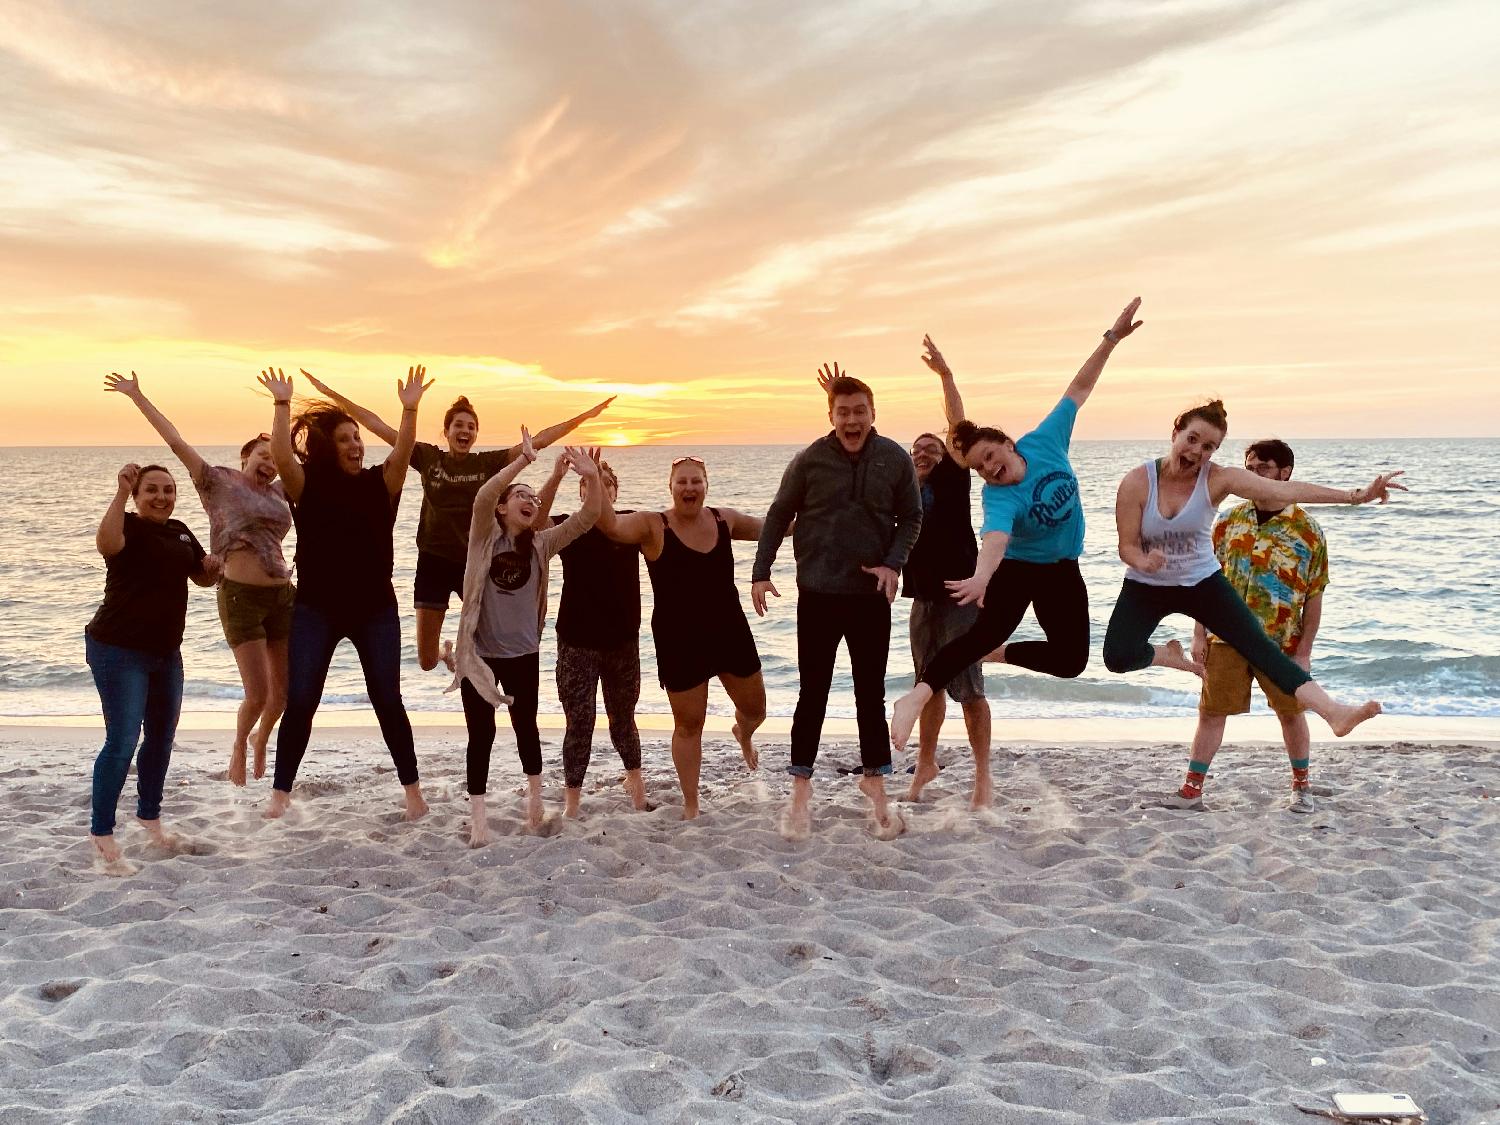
(579, 671)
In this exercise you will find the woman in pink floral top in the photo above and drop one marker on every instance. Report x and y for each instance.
(248, 519)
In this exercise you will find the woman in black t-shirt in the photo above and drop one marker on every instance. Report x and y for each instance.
(134, 646)
(346, 515)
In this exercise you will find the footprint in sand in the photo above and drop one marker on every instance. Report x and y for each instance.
(55, 990)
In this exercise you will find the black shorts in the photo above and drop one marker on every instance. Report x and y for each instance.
(722, 647)
(437, 577)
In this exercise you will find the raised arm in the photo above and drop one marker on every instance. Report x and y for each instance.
(410, 393)
(953, 403)
(1227, 481)
(548, 495)
(554, 539)
(546, 437)
(1130, 506)
(293, 479)
(489, 492)
(110, 538)
(364, 416)
(131, 389)
(1083, 383)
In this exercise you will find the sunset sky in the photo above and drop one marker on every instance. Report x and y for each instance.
(692, 205)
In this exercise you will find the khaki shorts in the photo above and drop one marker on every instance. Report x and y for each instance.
(1226, 685)
(935, 624)
(255, 613)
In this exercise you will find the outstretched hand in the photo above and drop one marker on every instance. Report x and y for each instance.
(1380, 488)
(582, 463)
(1123, 326)
(130, 388)
(318, 384)
(528, 450)
(758, 592)
(934, 358)
(277, 383)
(410, 392)
(826, 375)
(595, 411)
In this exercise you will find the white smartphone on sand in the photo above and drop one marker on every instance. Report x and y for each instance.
(1375, 1105)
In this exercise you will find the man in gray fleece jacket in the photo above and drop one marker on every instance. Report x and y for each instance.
(858, 512)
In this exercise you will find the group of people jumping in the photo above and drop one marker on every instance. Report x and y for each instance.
(867, 519)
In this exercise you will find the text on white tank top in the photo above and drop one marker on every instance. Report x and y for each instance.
(1187, 539)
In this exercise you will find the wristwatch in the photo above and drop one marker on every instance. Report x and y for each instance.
(1111, 335)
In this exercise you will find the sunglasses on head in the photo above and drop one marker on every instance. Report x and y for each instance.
(262, 437)
(695, 460)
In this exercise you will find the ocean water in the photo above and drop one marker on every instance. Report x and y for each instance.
(1410, 615)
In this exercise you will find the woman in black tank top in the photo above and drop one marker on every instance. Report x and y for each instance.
(698, 624)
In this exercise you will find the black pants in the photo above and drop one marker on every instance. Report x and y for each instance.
(518, 678)
(1213, 602)
(579, 673)
(1061, 600)
(823, 620)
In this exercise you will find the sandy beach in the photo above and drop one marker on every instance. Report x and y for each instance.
(1065, 957)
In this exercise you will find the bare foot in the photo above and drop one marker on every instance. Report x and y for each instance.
(535, 812)
(796, 821)
(905, 713)
(984, 790)
(446, 656)
(995, 656)
(1345, 718)
(571, 797)
(690, 809)
(106, 848)
(479, 825)
(635, 785)
(888, 822)
(260, 759)
(1170, 655)
(161, 837)
(278, 804)
(926, 770)
(237, 766)
(416, 807)
(752, 759)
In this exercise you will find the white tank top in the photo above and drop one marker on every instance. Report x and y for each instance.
(1187, 538)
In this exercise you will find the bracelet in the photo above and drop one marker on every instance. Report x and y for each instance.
(282, 401)
(408, 410)
(1111, 335)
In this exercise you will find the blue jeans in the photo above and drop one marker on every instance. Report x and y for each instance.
(377, 639)
(136, 689)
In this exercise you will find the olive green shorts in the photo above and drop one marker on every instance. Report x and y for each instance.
(255, 613)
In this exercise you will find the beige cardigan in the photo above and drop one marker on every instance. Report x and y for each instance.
(484, 529)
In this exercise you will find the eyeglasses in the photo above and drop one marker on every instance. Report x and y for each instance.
(695, 460)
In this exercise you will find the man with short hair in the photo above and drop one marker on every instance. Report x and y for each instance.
(854, 497)
(1278, 562)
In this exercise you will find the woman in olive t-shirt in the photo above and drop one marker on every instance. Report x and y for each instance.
(134, 646)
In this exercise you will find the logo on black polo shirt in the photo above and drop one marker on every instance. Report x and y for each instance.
(1052, 498)
(510, 570)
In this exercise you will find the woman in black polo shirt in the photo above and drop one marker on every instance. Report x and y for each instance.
(134, 645)
(346, 515)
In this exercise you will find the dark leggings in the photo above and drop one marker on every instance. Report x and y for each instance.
(1216, 606)
(1061, 601)
(377, 639)
(518, 677)
(579, 672)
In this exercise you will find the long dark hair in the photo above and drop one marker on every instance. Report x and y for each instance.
(966, 435)
(313, 430)
(524, 540)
